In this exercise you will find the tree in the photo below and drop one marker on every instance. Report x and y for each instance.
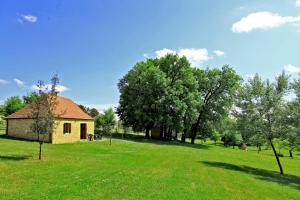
(230, 138)
(263, 103)
(12, 105)
(42, 112)
(217, 88)
(142, 90)
(93, 112)
(292, 117)
(106, 121)
(215, 137)
(83, 108)
(181, 97)
(247, 100)
(29, 98)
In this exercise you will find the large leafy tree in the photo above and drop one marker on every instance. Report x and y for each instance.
(180, 101)
(161, 92)
(142, 90)
(217, 88)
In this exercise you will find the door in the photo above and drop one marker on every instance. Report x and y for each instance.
(82, 131)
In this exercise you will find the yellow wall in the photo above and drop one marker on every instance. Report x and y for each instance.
(20, 128)
(60, 137)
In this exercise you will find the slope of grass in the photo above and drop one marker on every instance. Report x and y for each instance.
(143, 170)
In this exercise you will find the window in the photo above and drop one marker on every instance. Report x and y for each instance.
(67, 127)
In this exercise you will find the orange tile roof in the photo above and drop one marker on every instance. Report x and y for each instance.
(65, 108)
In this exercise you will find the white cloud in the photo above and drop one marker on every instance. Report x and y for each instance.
(291, 68)
(59, 88)
(146, 55)
(164, 52)
(195, 56)
(29, 18)
(3, 81)
(262, 20)
(219, 52)
(297, 3)
(19, 82)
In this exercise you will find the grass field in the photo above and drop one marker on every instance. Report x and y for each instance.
(139, 169)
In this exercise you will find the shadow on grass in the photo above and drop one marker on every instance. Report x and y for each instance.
(262, 174)
(142, 139)
(14, 138)
(14, 157)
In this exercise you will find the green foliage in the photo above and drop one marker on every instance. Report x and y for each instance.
(231, 138)
(12, 105)
(261, 110)
(15, 103)
(106, 121)
(29, 98)
(142, 90)
(93, 112)
(292, 118)
(168, 93)
(217, 88)
(215, 136)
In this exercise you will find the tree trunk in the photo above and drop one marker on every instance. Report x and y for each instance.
(291, 153)
(147, 135)
(195, 127)
(193, 138)
(258, 148)
(193, 134)
(40, 152)
(169, 134)
(183, 136)
(277, 158)
(110, 138)
(161, 133)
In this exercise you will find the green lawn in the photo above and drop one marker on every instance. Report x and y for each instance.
(143, 170)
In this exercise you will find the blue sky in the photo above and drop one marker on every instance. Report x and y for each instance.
(91, 44)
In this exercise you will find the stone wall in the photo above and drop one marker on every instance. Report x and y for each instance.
(60, 137)
(20, 128)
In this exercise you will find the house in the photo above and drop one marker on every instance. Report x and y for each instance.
(72, 125)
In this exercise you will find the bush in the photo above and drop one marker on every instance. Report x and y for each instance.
(231, 139)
